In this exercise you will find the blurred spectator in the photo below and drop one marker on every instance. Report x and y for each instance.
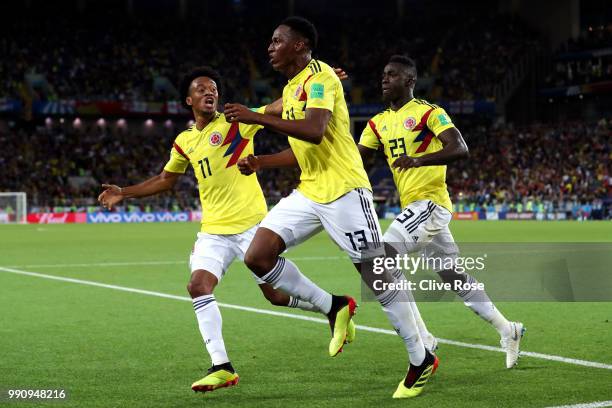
(537, 168)
(476, 54)
(60, 166)
(585, 60)
(541, 168)
(135, 58)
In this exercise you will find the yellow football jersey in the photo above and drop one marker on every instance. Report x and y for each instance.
(231, 203)
(334, 167)
(412, 131)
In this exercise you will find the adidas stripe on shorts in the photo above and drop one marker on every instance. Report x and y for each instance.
(422, 226)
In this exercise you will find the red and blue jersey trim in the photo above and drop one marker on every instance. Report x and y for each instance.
(236, 143)
(426, 135)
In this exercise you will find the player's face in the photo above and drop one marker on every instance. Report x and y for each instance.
(203, 95)
(282, 48)
(395, 81)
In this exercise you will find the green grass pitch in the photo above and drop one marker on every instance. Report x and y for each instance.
(112, 348)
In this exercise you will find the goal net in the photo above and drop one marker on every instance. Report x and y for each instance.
(13, 208)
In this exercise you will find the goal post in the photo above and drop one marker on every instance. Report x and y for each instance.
(13, 208)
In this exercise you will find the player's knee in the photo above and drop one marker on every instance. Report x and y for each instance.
(259, 261)
(196, 289)
(200, 284)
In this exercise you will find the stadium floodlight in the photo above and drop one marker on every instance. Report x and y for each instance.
(13, 208)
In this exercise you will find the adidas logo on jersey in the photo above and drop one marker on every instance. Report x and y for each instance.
(415, 238)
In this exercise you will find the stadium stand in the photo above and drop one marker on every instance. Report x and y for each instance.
(538, 167)
(112, 64)
(585, 60)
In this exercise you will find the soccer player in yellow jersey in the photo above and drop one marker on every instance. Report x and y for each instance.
(232, 207)
(419, 140)
(334, 192)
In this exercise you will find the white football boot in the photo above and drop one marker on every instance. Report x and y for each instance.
(511, 343)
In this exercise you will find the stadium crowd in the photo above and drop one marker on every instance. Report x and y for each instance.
(538, 168)
(142, 59)
(592, 38)
(475, 56)
(533, 168)
(61, 166)
(585, 60)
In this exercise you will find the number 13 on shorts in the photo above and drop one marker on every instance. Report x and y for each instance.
(358, 240)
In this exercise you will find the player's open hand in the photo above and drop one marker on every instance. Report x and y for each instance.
(235, 112)
(406, 162)
(341, 74)
(248, 165)
(110, 196)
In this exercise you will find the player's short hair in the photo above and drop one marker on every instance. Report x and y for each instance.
(405, 61)
(304, 28)
(202, 71)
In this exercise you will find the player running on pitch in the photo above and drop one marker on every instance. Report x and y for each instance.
(419, 140)
(334, 194)
(232, 207)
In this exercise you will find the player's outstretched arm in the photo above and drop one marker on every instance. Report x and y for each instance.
(309, 129)
(250, 164)
(112, 194)
(453, 148)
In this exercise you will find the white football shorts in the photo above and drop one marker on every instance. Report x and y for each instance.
(215, 253)
(350, 221)
(423, 226)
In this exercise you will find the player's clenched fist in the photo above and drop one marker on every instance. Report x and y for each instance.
(248, 165)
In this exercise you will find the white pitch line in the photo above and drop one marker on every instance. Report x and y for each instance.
(145, 263)
(597, 404)
(103, 264)
(550, 357)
